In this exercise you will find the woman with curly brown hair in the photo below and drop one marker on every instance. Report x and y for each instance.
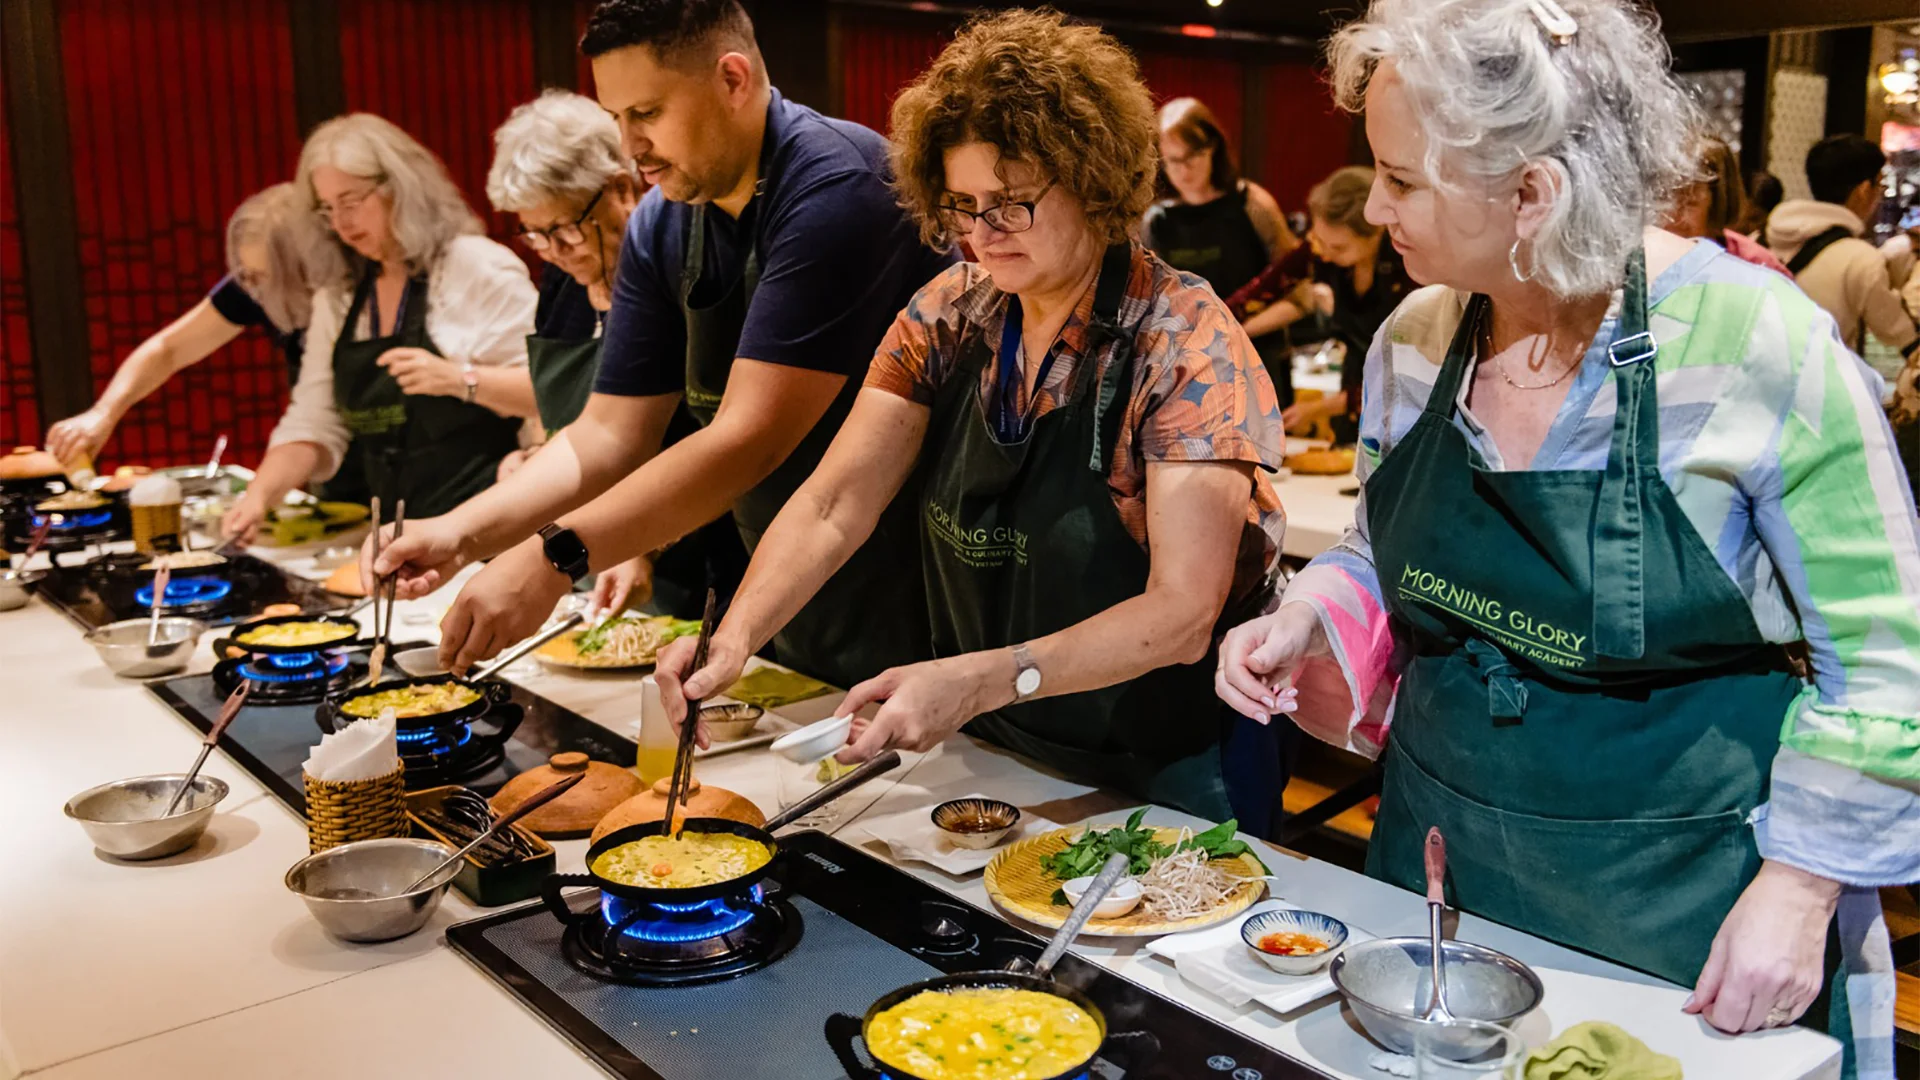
(1081, 430)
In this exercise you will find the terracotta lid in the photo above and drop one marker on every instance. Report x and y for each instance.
(573, 814)
(701, 802)
(125, 477)
(29, 463)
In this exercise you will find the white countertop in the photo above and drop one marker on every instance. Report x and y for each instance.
(202, 965)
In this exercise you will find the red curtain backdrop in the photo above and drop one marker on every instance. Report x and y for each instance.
(1307, 135)
(877, 61)
(19, 416)
(448, 74)
(177, 110)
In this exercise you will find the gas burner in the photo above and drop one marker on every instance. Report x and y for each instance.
(286, 678)
(76, 521)
(447, 754)
(681, 944)
(187, 594)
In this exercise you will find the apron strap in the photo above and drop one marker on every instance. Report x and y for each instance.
(1633, 459)
(1446, 387)
(1116, 266)
(1506, 691)
(696, 259)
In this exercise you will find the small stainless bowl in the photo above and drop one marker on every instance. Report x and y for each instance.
(1387, 983)
(353, 889)
(731, 723)
(977, 824)
(123, 818)
(123, 646)
(13, 587)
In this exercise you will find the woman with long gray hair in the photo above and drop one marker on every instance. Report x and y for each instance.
(418, 344)
(275, 256)
(1611, 477)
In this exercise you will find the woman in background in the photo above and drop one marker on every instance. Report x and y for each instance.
(1215, 224)
(275, 254)
(1709, 206)
(418, 346)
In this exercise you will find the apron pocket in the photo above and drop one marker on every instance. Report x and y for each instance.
(1649, 893)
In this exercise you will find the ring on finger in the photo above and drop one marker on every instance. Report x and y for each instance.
(1779, 1016)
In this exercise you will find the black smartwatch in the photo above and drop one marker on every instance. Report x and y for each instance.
(564, 550)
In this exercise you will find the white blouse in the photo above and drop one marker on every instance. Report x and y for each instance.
(480, 305)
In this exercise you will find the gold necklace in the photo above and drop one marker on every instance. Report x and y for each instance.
(1486, 348)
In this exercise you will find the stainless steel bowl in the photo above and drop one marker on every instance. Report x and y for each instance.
(1387, 983)
(123, 818)
(353, 889)
(13, 587)
(123, 646)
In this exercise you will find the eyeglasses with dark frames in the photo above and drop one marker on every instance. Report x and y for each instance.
(567, 233)
(1006, 217)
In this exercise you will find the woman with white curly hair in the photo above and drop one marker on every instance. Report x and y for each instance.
(416, 354)
(1612, 479)
(558, 167)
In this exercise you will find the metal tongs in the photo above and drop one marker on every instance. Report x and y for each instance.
(683, 752)
(385, 587)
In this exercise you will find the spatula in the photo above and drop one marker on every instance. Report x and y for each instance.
(1436, 1009)
(228, 710)
(160, 579)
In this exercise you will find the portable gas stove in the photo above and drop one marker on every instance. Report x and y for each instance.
(775, 987)
(111, 587)
(278, 726)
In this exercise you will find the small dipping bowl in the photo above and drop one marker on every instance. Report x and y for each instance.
(1387, 982)
(123, 818)
(811, 743)
(1121, 899)
(1331, 932)
(419, 662)
(731, 723)
(13, 587)
(353, 889)
(976, 824)
(123, 646)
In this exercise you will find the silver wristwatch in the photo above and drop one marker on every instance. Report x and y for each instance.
(470, 378)
(1026, 674)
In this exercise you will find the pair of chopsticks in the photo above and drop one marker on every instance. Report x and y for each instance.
(683, 752)
(389, 586)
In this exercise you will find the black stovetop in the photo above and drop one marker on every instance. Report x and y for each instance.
(271, 742)
(92, 598)
(862, 936)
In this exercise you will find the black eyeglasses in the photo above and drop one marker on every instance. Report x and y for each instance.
(567, 233)
(1006, 217)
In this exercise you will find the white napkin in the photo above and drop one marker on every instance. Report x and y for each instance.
(1218, 961)
(912, 835)
(361, 751)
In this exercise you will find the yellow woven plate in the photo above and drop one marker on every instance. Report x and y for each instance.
(564, 651)
(1020, 887)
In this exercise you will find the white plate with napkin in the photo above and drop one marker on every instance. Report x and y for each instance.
(1218, 961)
(912, 835)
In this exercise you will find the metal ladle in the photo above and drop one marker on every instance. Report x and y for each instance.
(1110, 874)
(1436, 1010)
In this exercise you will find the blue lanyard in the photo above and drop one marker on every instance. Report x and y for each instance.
(373, 308)
(1009, 425)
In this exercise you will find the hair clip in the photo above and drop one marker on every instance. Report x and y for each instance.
(1554, 20)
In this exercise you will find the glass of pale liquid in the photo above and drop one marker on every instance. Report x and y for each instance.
(1497, 1052)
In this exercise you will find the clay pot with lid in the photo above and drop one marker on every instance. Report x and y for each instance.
(574, 814)
(701, 801)
(29, 463)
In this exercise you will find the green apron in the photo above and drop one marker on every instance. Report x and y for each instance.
(562, 374)
(871, 614)
(1588, 712)
(1021, 539)
(435, 452)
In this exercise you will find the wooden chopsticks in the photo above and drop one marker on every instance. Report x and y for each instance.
(683, 752)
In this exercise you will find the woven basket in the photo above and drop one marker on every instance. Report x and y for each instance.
(340, 813)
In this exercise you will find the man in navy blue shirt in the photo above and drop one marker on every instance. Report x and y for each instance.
(755, 281)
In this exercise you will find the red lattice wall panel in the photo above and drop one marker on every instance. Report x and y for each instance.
(19, 417)
(1217, 83)
(1306, 133)
(177, 110)
(878, 60)
(446, 73)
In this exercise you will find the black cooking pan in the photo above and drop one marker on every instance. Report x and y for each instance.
(332, 715)
(732, 888)
(242, 630)
(1135, 1047)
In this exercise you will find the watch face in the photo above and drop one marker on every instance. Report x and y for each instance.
(1027, 681)
(565, 550)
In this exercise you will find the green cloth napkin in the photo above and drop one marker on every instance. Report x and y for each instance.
(770, 688)
(1598, 1051)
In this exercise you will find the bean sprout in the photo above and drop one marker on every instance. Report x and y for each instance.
(1185, 884)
